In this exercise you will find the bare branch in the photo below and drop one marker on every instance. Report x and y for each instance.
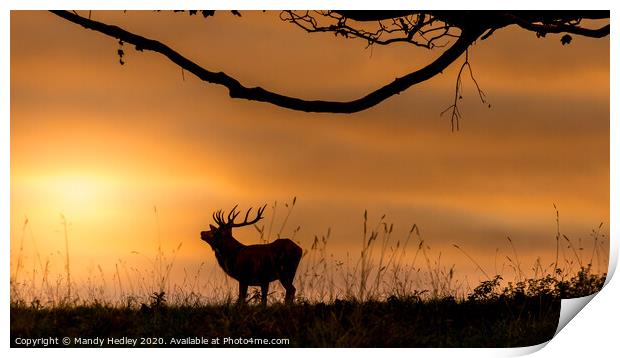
(458, 94)
(427, 29)
(237, 90)
(410, 28)
(562, 27)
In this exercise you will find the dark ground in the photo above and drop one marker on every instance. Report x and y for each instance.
(501, 322)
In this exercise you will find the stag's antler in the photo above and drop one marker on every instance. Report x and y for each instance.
(218, 217)
(233, 215)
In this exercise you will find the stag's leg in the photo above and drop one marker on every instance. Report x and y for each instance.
(264, 289)
(290, 290)
(287, 277)
(243, 292)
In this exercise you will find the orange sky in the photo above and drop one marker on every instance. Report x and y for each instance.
(103, 143)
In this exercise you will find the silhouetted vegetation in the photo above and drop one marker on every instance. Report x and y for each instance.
(387, 297)
(522, 314)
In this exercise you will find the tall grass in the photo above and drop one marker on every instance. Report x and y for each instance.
(67, 261)
(385, 267)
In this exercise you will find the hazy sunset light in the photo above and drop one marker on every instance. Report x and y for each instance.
(139, 156)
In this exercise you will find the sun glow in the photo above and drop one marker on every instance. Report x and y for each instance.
(77, 190)
(73, 194)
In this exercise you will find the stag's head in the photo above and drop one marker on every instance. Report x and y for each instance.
(216, 235)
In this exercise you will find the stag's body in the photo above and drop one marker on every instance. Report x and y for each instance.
(253, 265)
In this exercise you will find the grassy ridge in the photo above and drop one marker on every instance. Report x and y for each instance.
(387, 297)
(501, 322)
(521, 314)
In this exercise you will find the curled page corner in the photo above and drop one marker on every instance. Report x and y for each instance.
(523, 351)
(571, 306)
(569, 309)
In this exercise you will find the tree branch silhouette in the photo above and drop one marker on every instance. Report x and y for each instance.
(458, 94)
(419, 28)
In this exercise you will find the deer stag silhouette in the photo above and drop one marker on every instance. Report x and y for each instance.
(253, 265)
